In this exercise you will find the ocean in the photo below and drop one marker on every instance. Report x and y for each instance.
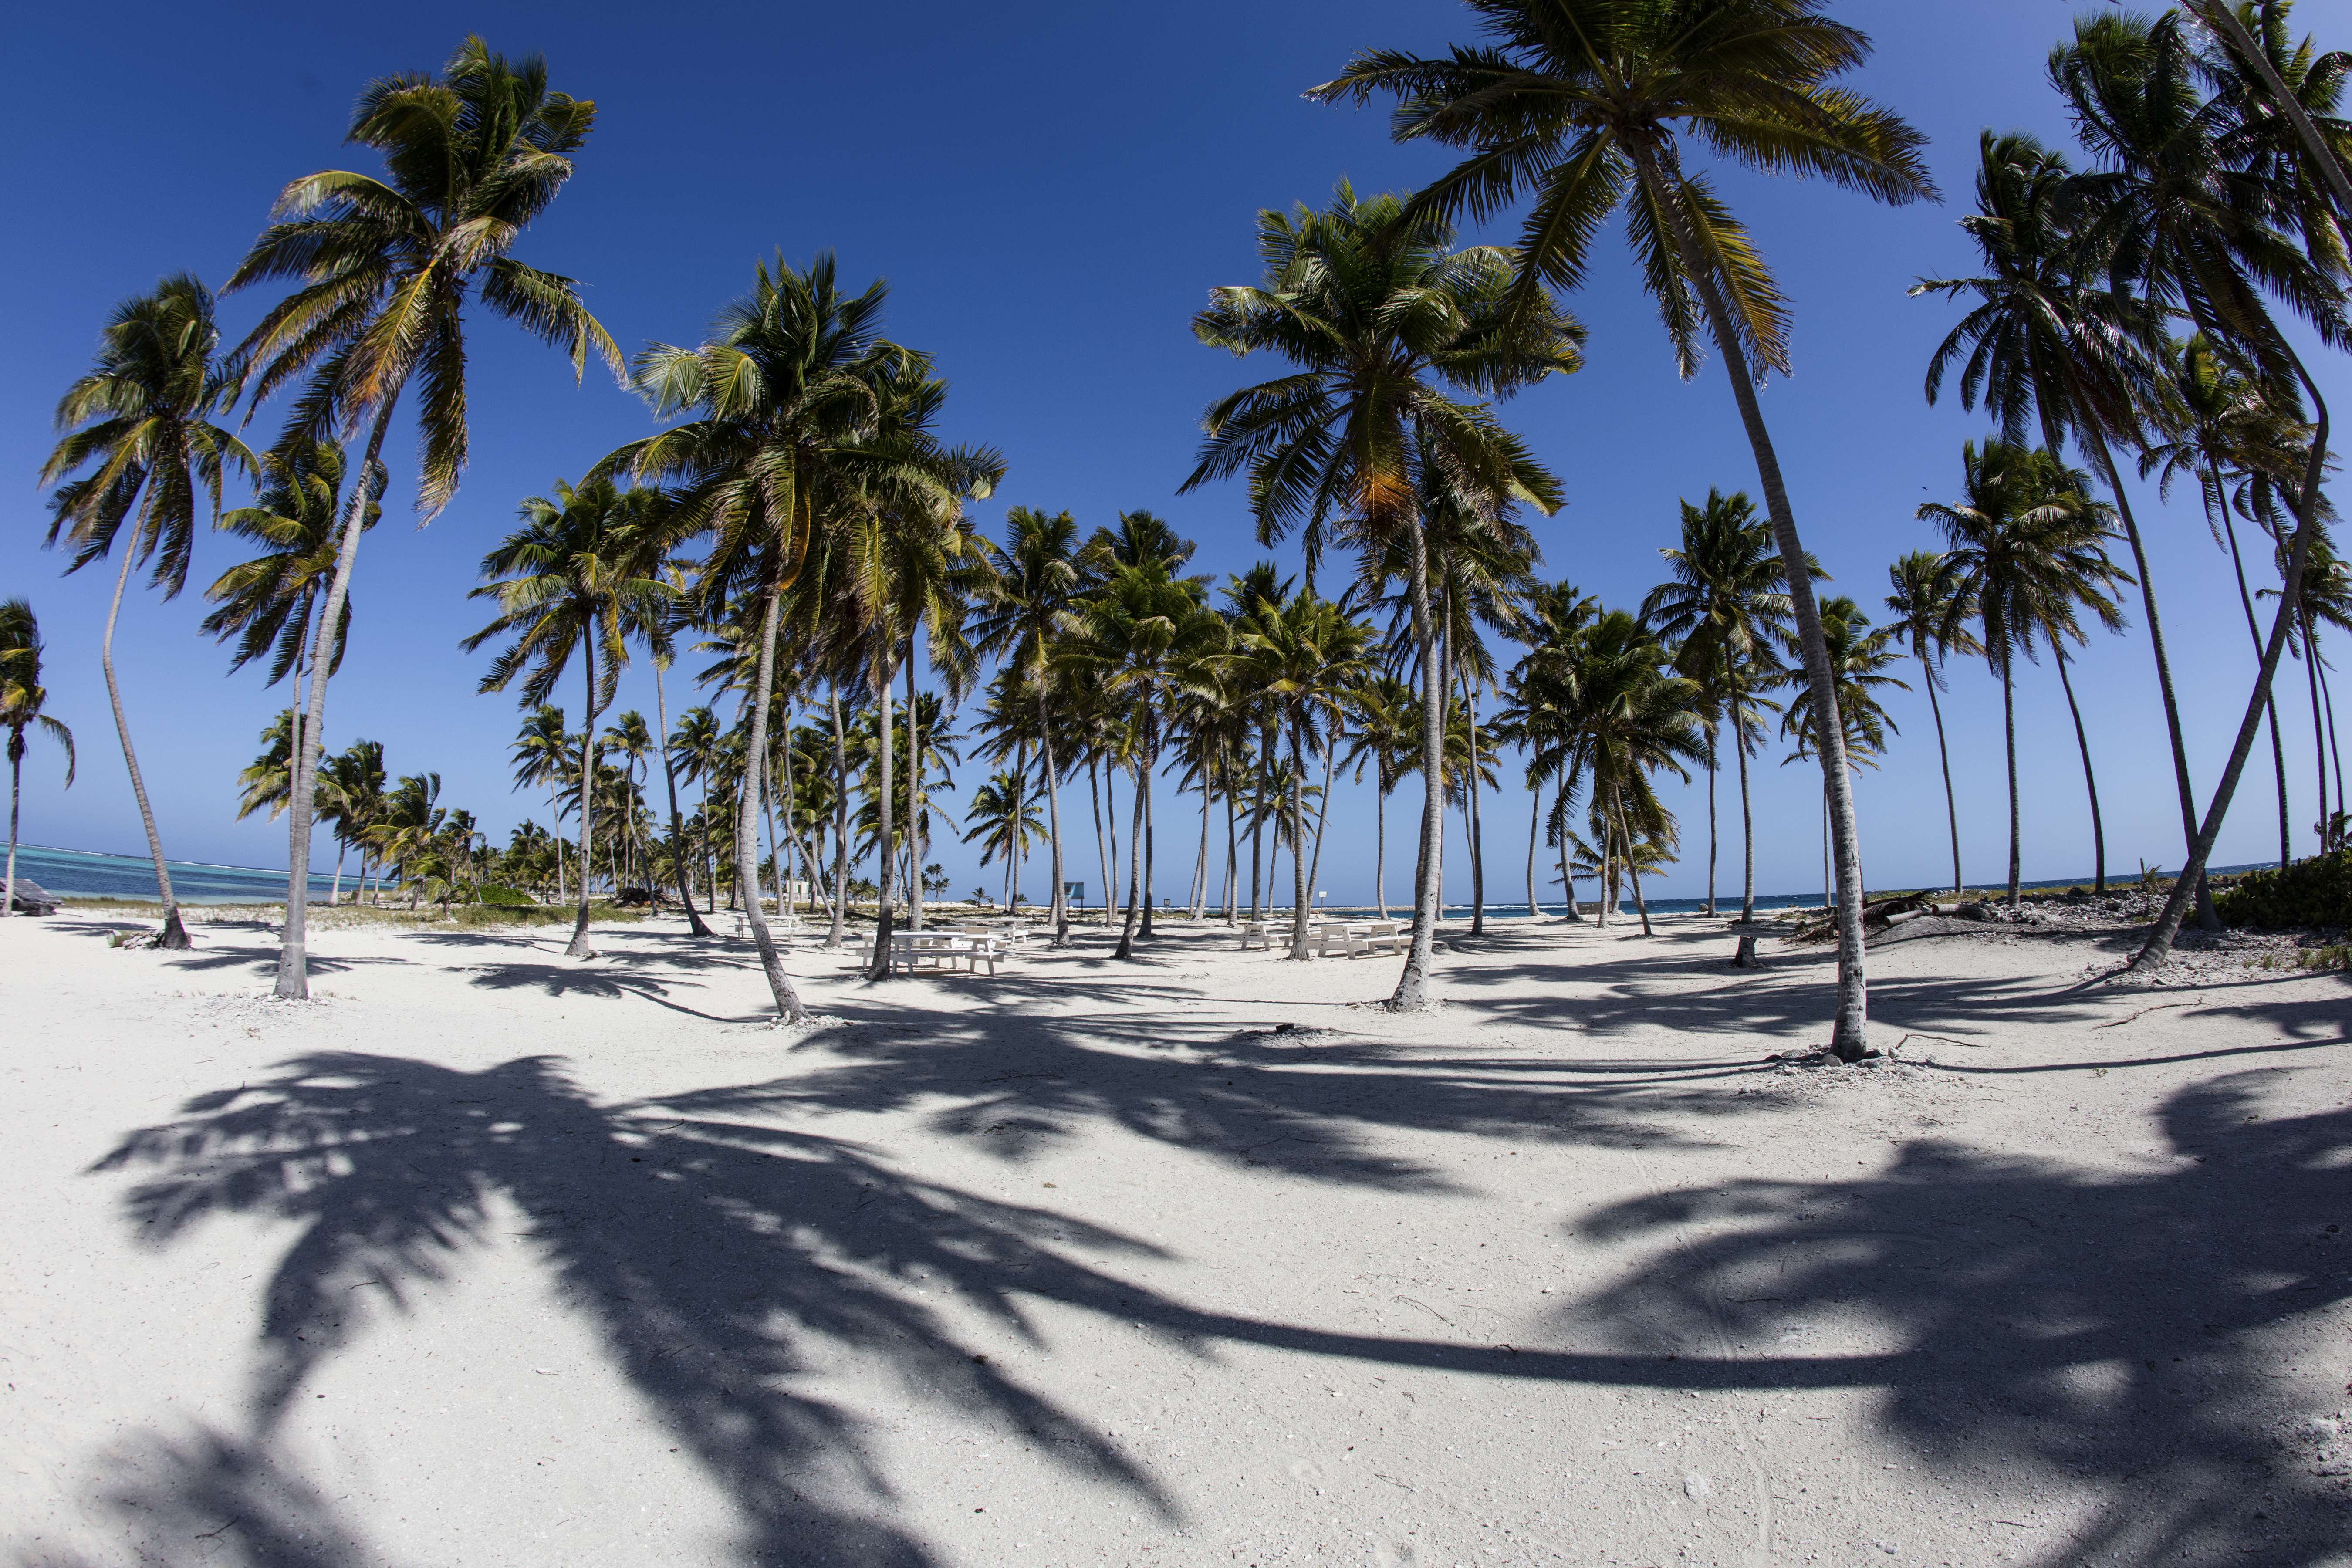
(86, 874)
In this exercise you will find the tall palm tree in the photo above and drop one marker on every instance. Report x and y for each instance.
(672, 573)
(629, 738)
(22, 698)
(694, 751)
(382, 269)
(1580, 104)
(1543, 687)
(2026, 548)
(787, 397)
(1025, 616)
(582, 574)
(1728, 609)
(1379, 314)
(141, 422)
(351, 798)
(1932, 619)
(267, 781)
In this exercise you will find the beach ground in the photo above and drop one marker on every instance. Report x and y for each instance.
(489, 1257)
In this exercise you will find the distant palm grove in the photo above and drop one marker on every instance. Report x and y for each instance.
(799, 534)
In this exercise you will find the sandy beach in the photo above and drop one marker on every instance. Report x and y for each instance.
(487, 1256)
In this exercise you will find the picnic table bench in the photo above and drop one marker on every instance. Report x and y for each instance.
(913, 949)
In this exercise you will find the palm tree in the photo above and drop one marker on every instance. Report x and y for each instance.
(543, 757)
(1003, 818)
(628, 736)
(382, 271)
(140, 421)
(1933, 612)
(668, 748)
(267, 782)
(787, 393)
(1306, 654)
(1383, 734)
(693, 750)
(350, 796)
(1577, 102)
(1024, 616)
(583, 573)
(268, 603)
(2026, 549)
(1543, 687)
(1378, 311)
(22, 698)
(1138, 632)
(1856, 659)
(1728, 610)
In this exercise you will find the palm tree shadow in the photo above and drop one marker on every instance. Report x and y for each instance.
(2137, 1333)
(722, 1263)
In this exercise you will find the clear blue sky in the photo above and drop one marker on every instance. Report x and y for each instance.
(1050, 190)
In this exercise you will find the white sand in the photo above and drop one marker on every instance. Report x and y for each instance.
(491, 1257)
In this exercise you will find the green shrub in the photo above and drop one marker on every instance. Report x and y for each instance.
(492, 893)
(2313, 893)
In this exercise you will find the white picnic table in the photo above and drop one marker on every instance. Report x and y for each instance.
(913, 949)
(1329, 938)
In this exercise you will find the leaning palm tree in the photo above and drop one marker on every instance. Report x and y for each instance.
(2026, 548)
(22, 698)
(141, 422)
(783, 398)
(1858, 657)
(1933, 614)
(582, 574)
(1380, 314)
(383, 271)
(1579, 103)
(1729, 611)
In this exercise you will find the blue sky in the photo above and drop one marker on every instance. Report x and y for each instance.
(1050, 190)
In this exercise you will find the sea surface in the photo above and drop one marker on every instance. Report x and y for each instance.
(86, 874)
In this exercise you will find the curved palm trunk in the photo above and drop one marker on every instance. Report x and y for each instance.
(293, 982)
(747, 820)
(2105, 460)
(1944, 756)
(1411, 994)
(172, 934)
(1850, 1035)
(1125, 948)
(578, 947)
(2090, 779)
(677, 821)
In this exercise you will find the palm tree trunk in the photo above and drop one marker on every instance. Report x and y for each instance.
(1323, 809)
(293, 981)
(2009, 734)
(885, 839)
(1535, 825)
(1200, 867)
(16, 798)
(1633, 871)
(2255, 636)
(1850, 1035)
(747, 818)
(578, 947)
(840, 819)
(1125, 948)
(2318, 730)
(677, 821)
(1567, 872)
(1747, 824)
(1111, 801)
(1380, 843)
(2105, 460)
(2090, 779)
(172, 934)
(1943, 753)
(1471, 827)
(1102, 853)
(1233, 851)
(2335, 755)
(1257, 836)
(1301, 906)
(1714, 739)
(914, 798)
(1151, 828)
(1053, 802)
(1411, 994)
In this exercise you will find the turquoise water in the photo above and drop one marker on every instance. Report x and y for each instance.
(83, 873)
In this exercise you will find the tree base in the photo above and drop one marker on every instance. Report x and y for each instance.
(1746, 957)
